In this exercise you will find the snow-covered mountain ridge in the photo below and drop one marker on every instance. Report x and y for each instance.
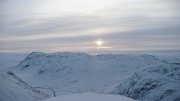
(68, 73)
(13, 88)
(155, 83)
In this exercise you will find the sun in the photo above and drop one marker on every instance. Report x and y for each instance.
(99, 43)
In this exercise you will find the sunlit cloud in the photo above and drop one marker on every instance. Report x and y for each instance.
(72, 25)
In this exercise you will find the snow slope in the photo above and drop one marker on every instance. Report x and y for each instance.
(14, 89)
(90, 97)
(68, 73)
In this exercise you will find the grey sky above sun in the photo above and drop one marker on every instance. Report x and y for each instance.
(78, 25)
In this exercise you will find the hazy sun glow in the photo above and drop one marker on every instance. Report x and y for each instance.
(99, 43)
(91, 25)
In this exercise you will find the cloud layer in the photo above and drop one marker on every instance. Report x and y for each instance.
(74, 25)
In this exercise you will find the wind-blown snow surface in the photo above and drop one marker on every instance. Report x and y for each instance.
(68, 73)
(90, 97)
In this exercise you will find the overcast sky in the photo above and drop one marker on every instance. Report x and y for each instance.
(75, 25)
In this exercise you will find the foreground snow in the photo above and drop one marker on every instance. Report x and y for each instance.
(90, 97)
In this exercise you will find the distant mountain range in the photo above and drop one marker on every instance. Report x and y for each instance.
(143, 77)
